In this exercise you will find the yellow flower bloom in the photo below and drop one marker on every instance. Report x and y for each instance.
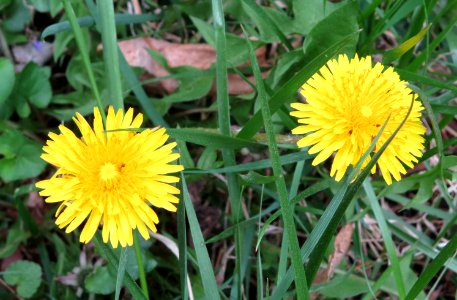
(110, 178)
(347, 102)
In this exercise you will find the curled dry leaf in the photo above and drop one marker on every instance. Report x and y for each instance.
(342, 244)
(200, 56)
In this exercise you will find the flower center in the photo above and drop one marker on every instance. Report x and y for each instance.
(108, 171)
(366, 111)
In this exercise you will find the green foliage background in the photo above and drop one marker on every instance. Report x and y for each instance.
(250, 198)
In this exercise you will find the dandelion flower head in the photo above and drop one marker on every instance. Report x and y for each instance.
(347, 102)
(111, 176)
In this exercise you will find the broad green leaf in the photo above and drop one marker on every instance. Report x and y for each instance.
(77, 75)
(5, 3)
(17, 16)
(55, 6)
(8, 78)
(191, 89)
(343, 287)
(25, 275)
(268, 27)
(281, 19)
(100, 281)
(21, 157)
(16, 235)
(131, 267)
(42, 6)
(61, 43)
(285, 62)
(332, 29)
(33, 87)
(66, 105)
(308, 13)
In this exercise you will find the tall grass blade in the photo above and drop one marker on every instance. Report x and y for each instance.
(327, 224)
(204, 263)
(223, 111)
(80, 42)
(110, 53)
(182, 245)
(432, 269)
(87, 21)
(386, 236)
(121, 272)
(286, 209)
(110, 256)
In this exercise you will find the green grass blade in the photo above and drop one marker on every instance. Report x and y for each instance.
(387, 238)
(204, 263)
(263, 19)
(326, 226)
(421, 58)
(259, 276)
(87, 21)
(317, 187)
(286, 92)
(205, 137)
(109, 255)
(121, 272)
(286, 208)
(223, 116)
(132, 81)
(415, 77)
(283, 257)
(439, 144)
(110, 52)
(397, 52)
(80, 42)
(411, 235)
(182, 245)
(432, 269)
(256, 165)
(135, 85)
(317, 254)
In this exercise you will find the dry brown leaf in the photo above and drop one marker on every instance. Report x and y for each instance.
(200, 56)
(342, 244)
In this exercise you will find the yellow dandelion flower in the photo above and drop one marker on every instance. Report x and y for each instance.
(110, 177)
(347, 102)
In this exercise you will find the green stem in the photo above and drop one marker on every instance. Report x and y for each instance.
(83, 50)
(110, 53)
(286, 208)
(139, 261)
